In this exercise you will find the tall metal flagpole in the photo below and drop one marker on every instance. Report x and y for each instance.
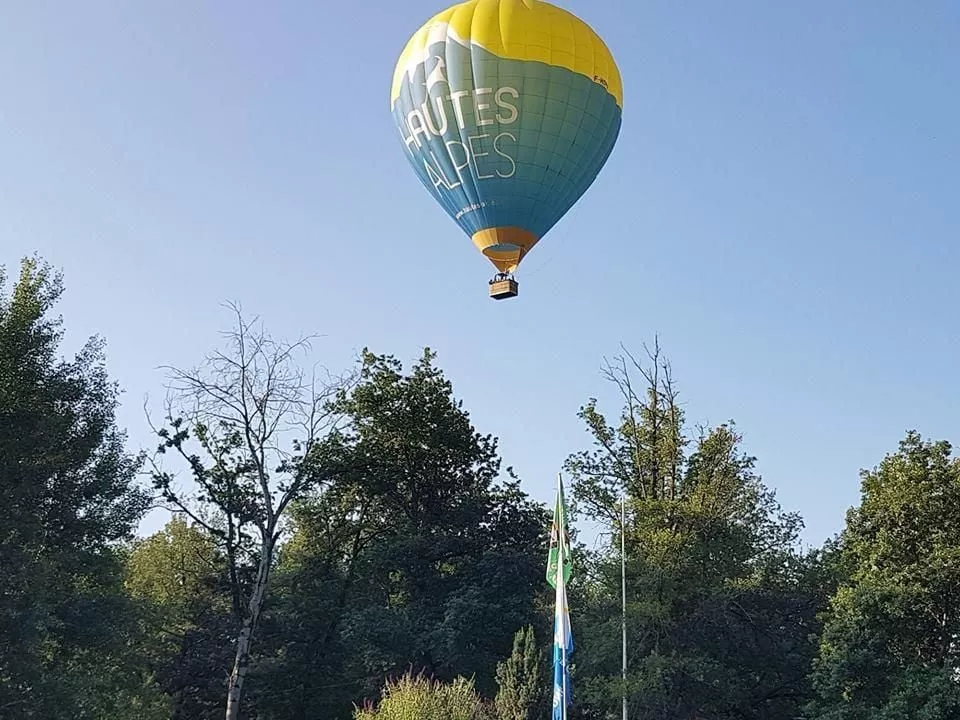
(623, 592)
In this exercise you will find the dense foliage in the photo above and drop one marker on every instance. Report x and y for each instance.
(67, 630)
(720, 612)
(412, 555)
(889, 649)
(354, 550)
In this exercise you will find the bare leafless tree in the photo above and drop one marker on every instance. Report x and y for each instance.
(257, 419)
(650, 425)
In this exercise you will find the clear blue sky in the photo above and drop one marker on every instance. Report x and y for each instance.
(782, 208)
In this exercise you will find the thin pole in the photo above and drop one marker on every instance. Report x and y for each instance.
(623, 593)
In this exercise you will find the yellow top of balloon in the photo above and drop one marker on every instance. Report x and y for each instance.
(518, 30)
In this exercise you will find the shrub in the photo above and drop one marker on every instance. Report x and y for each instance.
(420, 698)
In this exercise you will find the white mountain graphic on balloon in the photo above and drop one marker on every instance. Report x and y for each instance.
(437, 75)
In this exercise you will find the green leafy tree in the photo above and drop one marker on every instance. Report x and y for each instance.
(69, 499)
(720, 605)
(522, 680)
(180, 576)
(305, 666)
(416, 554)
(889, 648)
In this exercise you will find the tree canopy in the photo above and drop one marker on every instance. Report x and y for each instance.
(69, 500)
(889, 645)
(351, 546)
(719, 611)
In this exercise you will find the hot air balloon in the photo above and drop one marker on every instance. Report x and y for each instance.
(507, 111)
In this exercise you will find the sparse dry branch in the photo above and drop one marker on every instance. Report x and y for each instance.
(258, 419)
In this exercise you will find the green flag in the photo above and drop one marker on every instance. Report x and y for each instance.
(559, 541)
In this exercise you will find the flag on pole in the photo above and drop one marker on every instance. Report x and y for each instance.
(559, 567)
(559, 541)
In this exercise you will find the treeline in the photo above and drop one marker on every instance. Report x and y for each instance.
(351, 547)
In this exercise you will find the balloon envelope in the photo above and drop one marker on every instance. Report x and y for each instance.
(507, 110)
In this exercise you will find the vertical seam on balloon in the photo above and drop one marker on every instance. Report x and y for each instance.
(447, 199)
(601, 151)
(505, 53)
(529, 196)
(494, 57)
(531, 200)
(470, 189)
(541, 214)
(598, 158)
(559, 176)
(574, 192)
(583, 112)
(450, 196)
(517, 201)
(442, 156)
(520, 204)
(538, 198)
(579, 185)
(475, 17)
(566, 198)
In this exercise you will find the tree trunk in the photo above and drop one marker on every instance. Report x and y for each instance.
(241, 662)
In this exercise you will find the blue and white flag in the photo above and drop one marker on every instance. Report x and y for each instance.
(559, 562)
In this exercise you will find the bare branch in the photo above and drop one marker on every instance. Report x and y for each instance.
(257, 418)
